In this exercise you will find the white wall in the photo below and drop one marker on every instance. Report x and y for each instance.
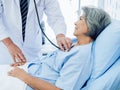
(69, 11)
(89, 2)
(112, 7)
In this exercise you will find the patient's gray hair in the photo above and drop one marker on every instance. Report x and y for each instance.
(96, 19)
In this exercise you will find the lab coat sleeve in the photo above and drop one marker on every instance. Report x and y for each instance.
(3, 33)
(54, 16)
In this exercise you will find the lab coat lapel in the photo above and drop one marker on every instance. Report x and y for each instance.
(17, 2)
(32, 6)
(18, 14)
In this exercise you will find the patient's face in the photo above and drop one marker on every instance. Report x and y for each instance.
(80, 27)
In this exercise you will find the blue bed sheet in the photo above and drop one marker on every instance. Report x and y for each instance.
(110, 80)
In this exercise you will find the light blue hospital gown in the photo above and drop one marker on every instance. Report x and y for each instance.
(66, 70)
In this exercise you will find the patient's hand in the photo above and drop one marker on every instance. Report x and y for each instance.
(18, 73)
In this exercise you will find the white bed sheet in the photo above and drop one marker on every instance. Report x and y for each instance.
(8, 82)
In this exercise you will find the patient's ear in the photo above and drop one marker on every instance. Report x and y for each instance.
(106, 48)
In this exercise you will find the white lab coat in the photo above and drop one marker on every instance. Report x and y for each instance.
(11, 26)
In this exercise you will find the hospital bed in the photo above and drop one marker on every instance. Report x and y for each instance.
(106, 55)
(106, 69)
(105, 73)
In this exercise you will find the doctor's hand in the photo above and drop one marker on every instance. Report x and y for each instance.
(16, 53)
(14, 50)
(64, 42)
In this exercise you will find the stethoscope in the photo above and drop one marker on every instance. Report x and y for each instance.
(41, 26)
(2, 9)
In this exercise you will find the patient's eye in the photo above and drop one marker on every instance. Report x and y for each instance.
(82, 18)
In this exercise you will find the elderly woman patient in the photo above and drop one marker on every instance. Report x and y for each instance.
(67, 70)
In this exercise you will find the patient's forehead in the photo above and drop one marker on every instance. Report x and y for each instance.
(81, 13)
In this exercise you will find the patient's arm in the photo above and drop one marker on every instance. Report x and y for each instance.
(34, 82)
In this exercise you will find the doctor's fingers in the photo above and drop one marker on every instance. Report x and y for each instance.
(68, 42)
(65, 44)
(61, 46)
(19, 58)
(22, 57)
(17, 64)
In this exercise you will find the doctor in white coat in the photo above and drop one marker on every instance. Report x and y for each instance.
(12, 47)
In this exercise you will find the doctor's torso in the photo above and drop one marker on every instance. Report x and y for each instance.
(12, 22)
